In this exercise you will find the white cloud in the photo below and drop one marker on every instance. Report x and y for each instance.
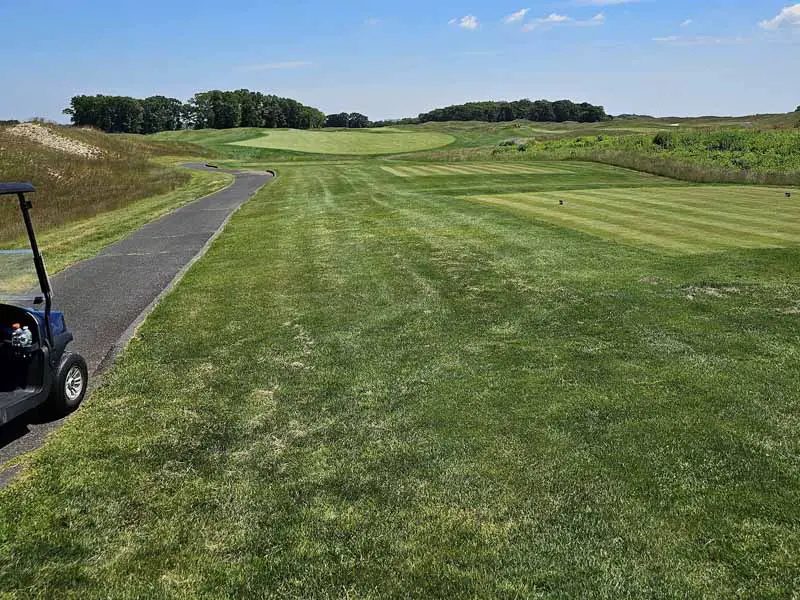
(554, 19)
(372, 22)
(468, 22)
(699, 40)
(789, 16)
(276, 66)
(686, 23)
(517, 16)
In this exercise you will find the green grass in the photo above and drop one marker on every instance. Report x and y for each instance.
(371, 387)
(679, 219)
(349, 142)
(743, 155)
(481, 169)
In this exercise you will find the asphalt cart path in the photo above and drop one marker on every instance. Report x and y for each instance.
(106, 297)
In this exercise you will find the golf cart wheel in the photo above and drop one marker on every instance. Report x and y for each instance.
(71, 381)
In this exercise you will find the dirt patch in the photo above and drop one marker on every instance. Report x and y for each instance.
(47, 137)
(711, 292)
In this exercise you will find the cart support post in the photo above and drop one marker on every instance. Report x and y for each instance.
(41, 272)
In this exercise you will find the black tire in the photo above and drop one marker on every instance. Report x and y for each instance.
(69, 385)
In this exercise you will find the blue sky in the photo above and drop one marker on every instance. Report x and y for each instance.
(389, 60)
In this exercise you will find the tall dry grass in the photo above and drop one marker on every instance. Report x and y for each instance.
(71, 187)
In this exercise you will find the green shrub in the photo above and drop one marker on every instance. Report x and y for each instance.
(707, 156)
(665, 140)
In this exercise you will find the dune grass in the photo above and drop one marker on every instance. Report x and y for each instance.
(680, 219)
(372, 388)
(348, 142)
(65, 245)
(71, 187)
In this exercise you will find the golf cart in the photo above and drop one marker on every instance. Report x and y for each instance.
(35, 366)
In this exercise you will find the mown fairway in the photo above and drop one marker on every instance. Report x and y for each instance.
(475, 169)
(351, 142)
(681, 219)
(383, 386)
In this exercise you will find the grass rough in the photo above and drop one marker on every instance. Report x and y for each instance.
(72, 187)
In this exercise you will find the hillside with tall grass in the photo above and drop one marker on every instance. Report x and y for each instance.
(73, 184)
(731, 156)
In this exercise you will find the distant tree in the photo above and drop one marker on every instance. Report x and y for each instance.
(249, 113)
(115, 114)
(215, 109)
(357, 121)
(797, 109)
(161, 114)
(337, 120)
(540, 110)
(565, 110)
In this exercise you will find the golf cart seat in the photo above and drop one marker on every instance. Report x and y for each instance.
(16, 188)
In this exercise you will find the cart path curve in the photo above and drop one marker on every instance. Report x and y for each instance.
(104, 298)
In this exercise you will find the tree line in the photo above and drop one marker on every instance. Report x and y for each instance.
(214, 109)
(539, 110)
(351, 121)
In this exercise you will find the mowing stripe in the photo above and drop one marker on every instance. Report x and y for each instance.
(747, 199)
(666, 229)
(688, 197)
(720, 224)
(528, 169)
(692, 216)
(450, 169)
(775, 225)
(537, 170)
(686, 226)
(471, 169)
(482, 169)
(613, 230)
(393, 171)
(500, 169)
(425, 171)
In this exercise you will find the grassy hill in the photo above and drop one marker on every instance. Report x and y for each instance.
(93, 188)
(80, 173)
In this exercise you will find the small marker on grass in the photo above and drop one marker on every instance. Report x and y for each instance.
(788, 194)
(561, 203)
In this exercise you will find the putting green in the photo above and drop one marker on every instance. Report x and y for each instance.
(362, 142)
(678, 219)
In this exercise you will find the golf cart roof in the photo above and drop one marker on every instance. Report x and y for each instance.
(16, 188)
